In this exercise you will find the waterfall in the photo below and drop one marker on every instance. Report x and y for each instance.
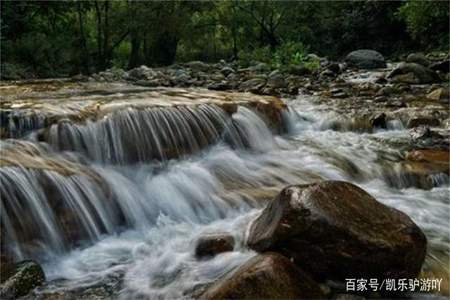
(58, 194)
(145, 134)
(118, 201)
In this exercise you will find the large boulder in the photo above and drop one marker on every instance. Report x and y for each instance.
(21, 279)
(418, 58)
(265, 276)
(366, 59)
(413, 73)
(335, 230)
(212, 244)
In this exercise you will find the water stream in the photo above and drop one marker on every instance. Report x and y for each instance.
(138, 219)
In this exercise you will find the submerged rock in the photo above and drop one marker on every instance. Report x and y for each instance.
(335, 230)
(21, 279)
(266, 276)
(212, 244)
(366, 59)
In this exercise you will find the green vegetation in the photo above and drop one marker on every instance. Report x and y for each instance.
(55, 38)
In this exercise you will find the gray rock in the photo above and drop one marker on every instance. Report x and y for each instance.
(260, 67)
(418, 58)
(366, 59)
(252, 85)
(142, 72)
(413, 73)
(198, 66)
(276, 80)
(227, 71)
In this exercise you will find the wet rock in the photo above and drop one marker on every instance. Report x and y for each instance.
(413, 73)
(327, 73)
(142, 72)
(334, 67)
(338, 93)
(380, 99)
(423, 121)
(276, 80)
(266, 276)
(385, 91)
(379, 121)
(227, 71)
(260, 67)
(198, 66)
(252, 85)
(418, 58)
(442, 66)
(421, 132)
(424, 168)
(397, 103)
(21, 279)
(429, 155)
(366, 59)
(439, 94)
(219, 86)
(335, 230)
(212, 244)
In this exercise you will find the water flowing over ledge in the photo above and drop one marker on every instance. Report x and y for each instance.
(102, 202)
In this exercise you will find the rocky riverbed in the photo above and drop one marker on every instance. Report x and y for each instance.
(171, 182)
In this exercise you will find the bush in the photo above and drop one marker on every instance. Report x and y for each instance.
(427, 22)
(286, 54)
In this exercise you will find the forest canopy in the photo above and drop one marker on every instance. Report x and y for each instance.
(56, 38)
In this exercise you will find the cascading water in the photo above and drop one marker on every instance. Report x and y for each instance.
(138, 215)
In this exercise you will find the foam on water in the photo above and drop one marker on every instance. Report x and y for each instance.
(167, 206)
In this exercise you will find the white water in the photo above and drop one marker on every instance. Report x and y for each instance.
(168, 206)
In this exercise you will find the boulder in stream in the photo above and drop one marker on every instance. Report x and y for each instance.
(20, 279)
(413, 73)
(366, 59)
(212, 244)
(336, 230)
(265, 276)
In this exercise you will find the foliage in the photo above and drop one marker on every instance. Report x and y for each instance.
(427, 21)
(53, 38)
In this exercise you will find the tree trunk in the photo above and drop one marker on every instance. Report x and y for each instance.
(84, 53)
(134, 60)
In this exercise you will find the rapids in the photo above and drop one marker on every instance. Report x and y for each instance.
(139, 218)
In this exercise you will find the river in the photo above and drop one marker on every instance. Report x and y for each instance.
(168, 205)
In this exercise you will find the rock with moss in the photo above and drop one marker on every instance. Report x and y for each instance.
(20, 279)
